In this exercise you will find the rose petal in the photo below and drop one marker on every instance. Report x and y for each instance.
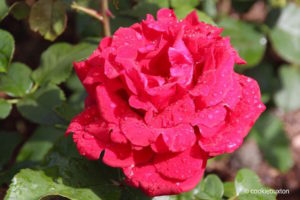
(211, 116)
(234, 94)
(181, 166)
(111, 106)
(126, 37)
(137, 132)
(181, 62)
(105, 42)
(192, 18)
(175, 139)
(116, 135)
(152, 183)
(240, 120)
(118, 155)
(89, 133)
(180, 111)
(142, 156)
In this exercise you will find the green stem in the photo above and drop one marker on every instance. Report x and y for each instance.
(88, 11)
(12, 101)
(34, 88)
(233, 198)
(105, 21)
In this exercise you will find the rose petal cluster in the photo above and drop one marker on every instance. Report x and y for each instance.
(163, 97)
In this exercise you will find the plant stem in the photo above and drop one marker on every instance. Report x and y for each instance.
(12, 101)
(88, 11)
(233, 198)
(105, 21)
(34, 88)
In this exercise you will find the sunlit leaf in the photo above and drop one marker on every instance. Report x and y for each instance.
(288, 97)
(5, 108)
(57, 61)
(249, 43)
(285, 37)
(4, 9)
(16, 82)
(247, 183)
(66, 174)
(48, 17)
(7, 48)
(179, 3)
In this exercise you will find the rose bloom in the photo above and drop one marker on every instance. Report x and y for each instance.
(163, 98)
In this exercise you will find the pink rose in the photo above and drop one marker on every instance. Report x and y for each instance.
(162, 99)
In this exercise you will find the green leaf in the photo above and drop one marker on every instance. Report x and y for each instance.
(8, 142)
(288, 97)
(229, 189)
(285, 37)
(210, 188)
(48, 17)
(130, 193)
(183, 11)
(213, 187)
(39, 144)
(246, 180)
(160, 4)
(205, 18)
(265, 76)
(7, 175)
(78, 95)
(147, 6)
(5, 108)
(249, 43)
(247, 184)
(3, 9)
(73, 83)
(86, 26)
(7, 48)
(277, 3)
(210, 7)
(269, 132)
(16, 82)
(40, 106)
(122, 21)
(66, 174)
(37, 184)
(245, 187)
(179, 3)
(56, 62)
(20, 10)
(68, 111)
(116, 5)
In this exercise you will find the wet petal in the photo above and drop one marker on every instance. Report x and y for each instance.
(239, 121)
(152, 183)
(178, 112)
(175, 139)
(89, 133)
(210, 117)
(181, 166)
(137, 132)
(112, 107)
(118, 155)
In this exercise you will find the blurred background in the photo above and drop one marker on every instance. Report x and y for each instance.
(36, 79)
